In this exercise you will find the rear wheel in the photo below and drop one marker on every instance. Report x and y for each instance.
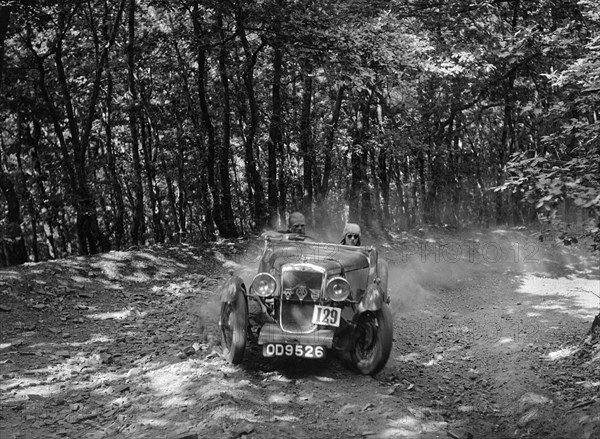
(373, 339)
(234, 321)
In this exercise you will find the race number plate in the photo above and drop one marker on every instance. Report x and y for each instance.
(292, 350)
(326, 315)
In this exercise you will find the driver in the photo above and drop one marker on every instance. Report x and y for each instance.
(296, 223)
(351, 234)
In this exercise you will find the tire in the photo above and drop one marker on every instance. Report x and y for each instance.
(234, 323)
(373, 340)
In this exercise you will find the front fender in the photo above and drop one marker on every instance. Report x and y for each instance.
(230, 289)
(373, 299)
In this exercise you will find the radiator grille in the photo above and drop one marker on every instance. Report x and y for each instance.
(296, 317)
(302, 286)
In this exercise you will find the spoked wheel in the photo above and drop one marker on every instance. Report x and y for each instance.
(234, 321)
(373, 340)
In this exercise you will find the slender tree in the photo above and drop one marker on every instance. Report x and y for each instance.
(227, 225)
(12, 243)
(256, 193)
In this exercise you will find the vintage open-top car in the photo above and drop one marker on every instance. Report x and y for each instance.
(311, 297)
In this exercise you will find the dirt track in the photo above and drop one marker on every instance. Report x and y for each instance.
(489, 333)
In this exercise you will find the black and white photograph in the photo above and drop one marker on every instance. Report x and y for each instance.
(303, 219)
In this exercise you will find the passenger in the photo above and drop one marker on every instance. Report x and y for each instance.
(296, 223)
(351, 234)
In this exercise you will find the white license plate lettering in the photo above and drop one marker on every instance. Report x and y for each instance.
(269, 350)
(290, 350)
(326, 315)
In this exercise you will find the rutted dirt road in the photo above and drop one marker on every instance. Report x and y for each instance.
(490, 341)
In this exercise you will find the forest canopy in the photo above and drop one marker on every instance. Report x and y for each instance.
(130, 122)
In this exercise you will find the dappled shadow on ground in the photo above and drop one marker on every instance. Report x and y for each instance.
(125, 345)
(79, 335)
(481, 332)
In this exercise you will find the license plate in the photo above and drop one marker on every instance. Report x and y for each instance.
(292, 350)
(326, 315)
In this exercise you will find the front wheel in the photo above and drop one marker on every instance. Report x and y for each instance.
(234, 321)
(373, 340)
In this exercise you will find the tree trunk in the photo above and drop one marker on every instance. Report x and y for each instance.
(282, 184)
(117, 191)
(209, 232)
(180, 199)
(49, 217)
(404, 220)
(507, 131)
(456, 175)
(194, 119)
(170, 233)
(148, 137)
(212, 198)
(24, 137)
(82, 201)
(368, 215)
(384, 183)
(321, 212)
(330, 141)
(358, 161)
(432, 194)
(227, 227)
(275, 144)
(12, 243)
(422, 200)
(138, 229)
(306, 146)
(256, 197)
(356, 172)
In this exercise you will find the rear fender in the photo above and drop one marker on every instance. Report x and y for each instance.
(373, 299)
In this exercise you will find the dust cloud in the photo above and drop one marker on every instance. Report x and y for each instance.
(420, 266)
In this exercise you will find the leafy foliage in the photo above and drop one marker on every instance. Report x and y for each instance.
(566, 166)
(171, 121)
